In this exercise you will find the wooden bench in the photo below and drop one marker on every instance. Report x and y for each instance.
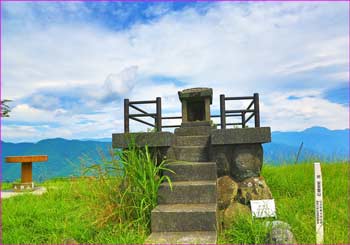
(26, 173)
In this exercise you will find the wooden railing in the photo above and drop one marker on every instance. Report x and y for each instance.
(136, 117)
(246, 114)
(157, 116)
(243, 114)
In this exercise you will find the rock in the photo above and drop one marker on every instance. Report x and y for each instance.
(247, 161)
(70, 241)
(278, 223)
(227, 191)
(254, 188)
(220, 218)
(234, 211)
(222, 164)
(280, 233)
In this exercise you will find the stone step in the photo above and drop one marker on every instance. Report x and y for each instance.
(192, 153)
(192, 131)
(193, 237)
(187, 192)
(197, 140)
(195, 124)
(192, 171)
(184, 217)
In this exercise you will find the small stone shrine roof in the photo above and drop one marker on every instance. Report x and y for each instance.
(196, 93)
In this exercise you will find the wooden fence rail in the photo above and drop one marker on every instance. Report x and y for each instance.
(136, 117)
(240, 113)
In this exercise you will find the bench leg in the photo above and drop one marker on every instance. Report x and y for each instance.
(27, 176)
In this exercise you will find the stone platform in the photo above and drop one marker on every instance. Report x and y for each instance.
(10, 193)
(237, 151)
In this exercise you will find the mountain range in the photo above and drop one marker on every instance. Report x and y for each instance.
(66, 157)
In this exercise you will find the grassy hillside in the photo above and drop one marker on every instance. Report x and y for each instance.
(65, 212)
(292, 187)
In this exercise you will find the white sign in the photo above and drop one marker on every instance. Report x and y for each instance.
(263, 208)
(318, 203)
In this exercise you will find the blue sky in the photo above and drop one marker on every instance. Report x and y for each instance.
(68, 66)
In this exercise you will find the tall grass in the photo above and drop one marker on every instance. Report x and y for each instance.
(246, 230)
(128, 186)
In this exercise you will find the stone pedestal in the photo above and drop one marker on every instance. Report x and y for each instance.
(238, 152)
(18, 187)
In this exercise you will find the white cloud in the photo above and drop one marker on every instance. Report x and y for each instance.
(339, 76)
(284, 114)
(26, 113)
(236, 49)
(121, 83)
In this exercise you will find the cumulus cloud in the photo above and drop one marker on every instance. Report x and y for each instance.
(119, 84)
(26, 113)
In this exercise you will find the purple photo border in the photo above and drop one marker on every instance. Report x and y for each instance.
(183, 1)
(1, 23)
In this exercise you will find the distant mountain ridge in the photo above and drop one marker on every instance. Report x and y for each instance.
(65, 155)
(318, 142)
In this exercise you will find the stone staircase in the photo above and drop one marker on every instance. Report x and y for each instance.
(187, 214)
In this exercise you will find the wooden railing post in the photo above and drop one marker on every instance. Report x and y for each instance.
(256, 110)
(222, 111)
(126, 116)
(159, 114)
(243, 119)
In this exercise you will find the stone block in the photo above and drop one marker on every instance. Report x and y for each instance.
(22, 187)
(240, 136)
(191, 171)
(192, 153)
(193, 237)
(195, 94)
(247, 161)
(187, 192)
(152, 139)
(197, 140)
(184, 217)
(192, 131)
(222, 155)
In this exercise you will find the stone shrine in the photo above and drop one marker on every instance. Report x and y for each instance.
(217, 171)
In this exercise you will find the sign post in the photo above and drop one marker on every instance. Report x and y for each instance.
(318, 203)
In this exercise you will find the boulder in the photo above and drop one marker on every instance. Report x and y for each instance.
(227, 191)
(280, 233)
(234, 211)
(223, 166)
(247, 161)
(254, 188)
(69, 241)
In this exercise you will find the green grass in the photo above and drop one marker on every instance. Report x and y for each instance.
(64, 212)
(111, 205)
(89, 210)
(292, 187)
(6, 186)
